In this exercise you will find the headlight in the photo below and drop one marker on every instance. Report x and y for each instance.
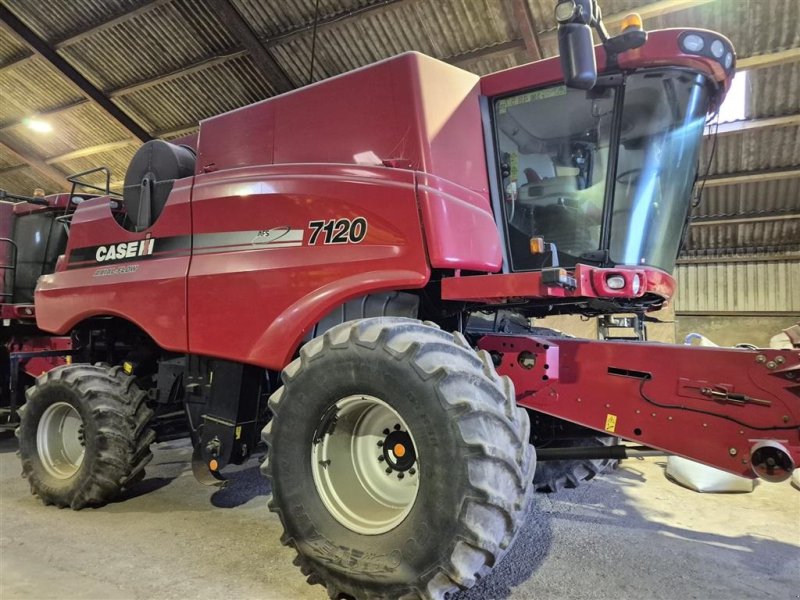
(728, 61)
(615, 282)
(637, 284)
(693, 43)
(717, 48)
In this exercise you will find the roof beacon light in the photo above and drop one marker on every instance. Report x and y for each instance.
(631, 21)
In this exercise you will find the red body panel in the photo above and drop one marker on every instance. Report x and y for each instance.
(409, 107)
(603, 385)
(152, 295)
(459, 226)
(253, 301)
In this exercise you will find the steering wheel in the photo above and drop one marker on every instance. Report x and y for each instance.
(629, 176)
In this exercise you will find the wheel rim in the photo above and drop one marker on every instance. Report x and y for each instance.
(60, 441)
(365, 465)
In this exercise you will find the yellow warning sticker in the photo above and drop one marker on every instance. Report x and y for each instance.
(239, 432)
(611, 423)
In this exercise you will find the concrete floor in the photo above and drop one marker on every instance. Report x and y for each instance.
(631, 534)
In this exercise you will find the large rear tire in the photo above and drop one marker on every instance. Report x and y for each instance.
(399, 461)
(83, 435)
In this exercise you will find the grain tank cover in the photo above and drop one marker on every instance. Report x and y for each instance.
(149, 179)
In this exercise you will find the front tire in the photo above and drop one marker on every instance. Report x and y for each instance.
(424, 394)
(83, 435)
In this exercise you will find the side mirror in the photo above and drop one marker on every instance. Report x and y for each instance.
(575, 44)
(576, 47)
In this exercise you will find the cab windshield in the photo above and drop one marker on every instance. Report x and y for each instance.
(556, 149)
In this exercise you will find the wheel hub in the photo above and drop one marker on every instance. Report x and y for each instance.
(60, 440)
(364, 464)
(398, 451)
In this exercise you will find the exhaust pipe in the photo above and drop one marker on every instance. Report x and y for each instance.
(770, 461)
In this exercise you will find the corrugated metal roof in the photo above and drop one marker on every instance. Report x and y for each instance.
(11, 50)
(757, 150)
(159, 41)
(764, 235)
(741, 287)
(56, 19)
(444, 29)
(30, 87)
(7, 159)
(761, 196)
(774, 90)
(82, 127)
(24, 181)
(271, 19)
(187, 100)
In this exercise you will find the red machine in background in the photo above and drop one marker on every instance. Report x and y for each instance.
(381, 239)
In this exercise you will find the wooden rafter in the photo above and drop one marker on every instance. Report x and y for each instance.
(44, 113)
(753, 177)
(522, 14)
(51, 173)
(88, 151)
(754, 124)
(113, 20)
(773, 59)
(745, 219)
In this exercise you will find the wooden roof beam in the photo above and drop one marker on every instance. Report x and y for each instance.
(745, 219)
(43, 114)
(773, 59)
(50, 173)
(753, 124)
(113, 20)
(711, 259)
(18, 61)
(181, 72)
(522, 14)
(83, 152)
(751, 177)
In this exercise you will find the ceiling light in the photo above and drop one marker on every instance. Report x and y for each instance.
(38, 126)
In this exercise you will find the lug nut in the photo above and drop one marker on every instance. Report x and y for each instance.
(386, 431)
(380, 443)
(412, 471)
(388, 469)
(399, 475)
(380, 458)
(397, 427)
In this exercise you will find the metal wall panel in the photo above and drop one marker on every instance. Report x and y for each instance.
(756, 286)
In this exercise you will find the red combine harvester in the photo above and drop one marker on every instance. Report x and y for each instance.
(353, 267)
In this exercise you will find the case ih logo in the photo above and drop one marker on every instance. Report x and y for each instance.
(125, 250)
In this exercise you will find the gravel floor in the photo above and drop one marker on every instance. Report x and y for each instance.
(631, 534)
